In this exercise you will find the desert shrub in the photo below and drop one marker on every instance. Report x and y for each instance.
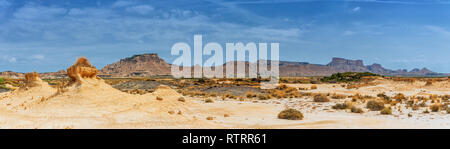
(385, 98)
(301, 88)
(386, 111)
(435, 107)
(282, 87)
(338, 96)
(213, 94)
(313, 87)
(226, 115)
(263, 97)
(159, 98)
(209, 118)
(415, 107)
(181, 99)
(448, 110)
(290, 114)
(321, 98)
(339, 106)
(347, 77)
(423, 104)
(356, 110)
(375, 105)
(426, 111)
(400, 96)
(209, 100)
(250, 95)
(2, 81)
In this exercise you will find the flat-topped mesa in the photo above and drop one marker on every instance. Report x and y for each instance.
(82, 69)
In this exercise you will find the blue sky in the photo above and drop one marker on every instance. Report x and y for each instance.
(48, 35)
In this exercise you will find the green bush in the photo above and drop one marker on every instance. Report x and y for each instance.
(290, 114)
(347, 77)
(2, 81)
(386, 111)
(375, 105)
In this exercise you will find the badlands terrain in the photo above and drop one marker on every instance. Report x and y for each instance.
(350, 100)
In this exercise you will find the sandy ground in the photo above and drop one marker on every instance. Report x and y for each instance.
(91, 103)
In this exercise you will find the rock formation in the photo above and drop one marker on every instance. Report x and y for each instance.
(81, 69)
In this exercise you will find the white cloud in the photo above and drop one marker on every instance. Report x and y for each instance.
(10, 59)
(438, 30)
(348, 33)
(38, 12)
(141, 9)
(356, 9)
(38, 57)
(4, 3)
(121, 3)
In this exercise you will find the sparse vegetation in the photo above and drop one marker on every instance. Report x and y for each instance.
(400, 97)
(250, 95)
(435, 108)
(347, 77)
(290, 114)
(181, 99)
(356, 110)
(159, 98)
(346, 105)
(338, 96)
(313, 87)
(321, 98)
(209, 100)
(263, 97)
(386, 111)
(374, 105)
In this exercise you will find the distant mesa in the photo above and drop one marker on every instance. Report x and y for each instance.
(138, 65)
(145, 65)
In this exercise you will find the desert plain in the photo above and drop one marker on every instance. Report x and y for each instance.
(84, 100)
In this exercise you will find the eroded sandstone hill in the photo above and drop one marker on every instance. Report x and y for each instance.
(138, 65)
(145, 65)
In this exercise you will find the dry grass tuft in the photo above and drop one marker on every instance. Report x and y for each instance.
(374, 105)
(209, 100)
(346, 105)
(356, 110)
(181, 99)
(290, 114)
(321, 98)
(435, 107)
(386, 111)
